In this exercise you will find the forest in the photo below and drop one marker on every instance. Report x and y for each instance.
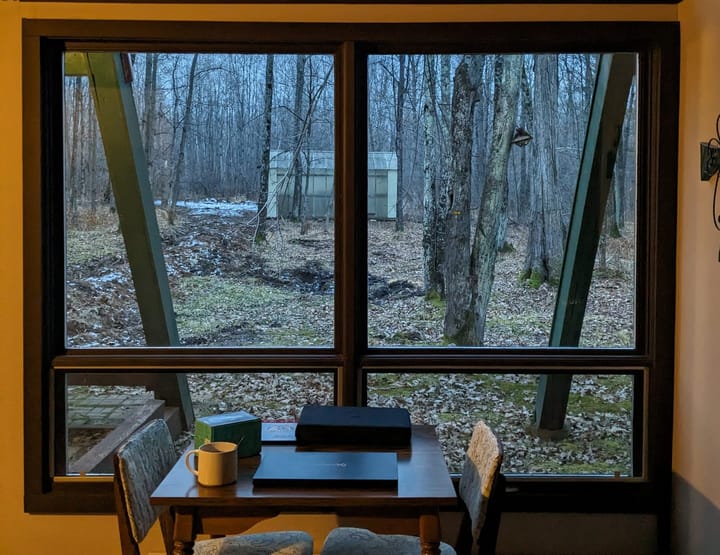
(478, 142)
(476, 159)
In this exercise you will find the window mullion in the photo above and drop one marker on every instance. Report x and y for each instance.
(351, 199)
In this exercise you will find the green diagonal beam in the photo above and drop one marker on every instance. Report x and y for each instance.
(607, 113)
(127, 167)
(110, 77)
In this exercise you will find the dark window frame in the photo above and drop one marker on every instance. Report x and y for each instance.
(47, 360)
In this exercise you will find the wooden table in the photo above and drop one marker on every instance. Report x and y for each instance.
(424, 487)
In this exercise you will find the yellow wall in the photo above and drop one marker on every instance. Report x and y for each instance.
(697, 440)
(698, 333)
(696, 447)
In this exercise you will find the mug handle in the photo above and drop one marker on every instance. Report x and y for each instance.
(187, 460)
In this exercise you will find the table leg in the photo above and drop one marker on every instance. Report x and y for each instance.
(183, 548)
(183, 532)
(430, 533)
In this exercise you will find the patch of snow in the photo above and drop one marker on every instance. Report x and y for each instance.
(113, 276)
(217, 207)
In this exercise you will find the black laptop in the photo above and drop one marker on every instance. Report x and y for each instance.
(327, 469)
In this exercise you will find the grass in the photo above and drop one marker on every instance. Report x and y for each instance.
(593, 404)
(205, 304)
(516, 325)
(90, 245)
(513, 392)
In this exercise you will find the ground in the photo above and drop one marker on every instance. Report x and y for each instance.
(228, 290)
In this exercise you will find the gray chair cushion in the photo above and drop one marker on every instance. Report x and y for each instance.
(269, 543)
(359, 541)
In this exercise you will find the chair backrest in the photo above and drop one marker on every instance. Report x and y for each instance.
(481, 485)
(140, 465)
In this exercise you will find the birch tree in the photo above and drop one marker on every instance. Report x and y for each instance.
(469, 272)
(433, 200)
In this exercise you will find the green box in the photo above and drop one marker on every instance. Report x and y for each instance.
(238, 427)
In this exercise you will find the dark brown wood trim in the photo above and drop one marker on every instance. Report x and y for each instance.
(388, 38)
(46, 358)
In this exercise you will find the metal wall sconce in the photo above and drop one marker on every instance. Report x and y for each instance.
(709, 159)
(710, 154)
(710, 165)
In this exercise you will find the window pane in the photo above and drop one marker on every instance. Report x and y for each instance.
(186, 223)
(93, 412)
(271, 396)
(100, 415)
(472, 235)
(599, 418)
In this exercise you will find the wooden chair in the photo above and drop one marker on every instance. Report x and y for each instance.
(140, 465)
(480, 488)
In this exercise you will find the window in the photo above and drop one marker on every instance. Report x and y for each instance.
(258, 217)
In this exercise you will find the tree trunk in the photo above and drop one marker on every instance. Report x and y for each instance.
(399, 116)
(150, 96)
(465, 316)
(481, 130)
(91, 166)
(433, 209)
(74, 190)
(523, 176)
(187, 116)
(457, 179)
(305, 210)
(297, 198)
(445, 96)
(624, 175)
(493, 203)
(614, 219)
(544, 257)
(265, 156)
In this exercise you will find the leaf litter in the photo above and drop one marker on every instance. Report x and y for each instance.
(265, 294)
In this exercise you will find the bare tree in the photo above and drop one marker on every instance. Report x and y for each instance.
(519, 187)
(306, 138)
(433, 199)
(74, 192)
(91, 166)
(544, 256)
(622, 182)
(186, 122)
(493, 204)
(150, 99)
(265, 156)
(469, 274)
(456, 179)
(297, 165)
(399, 141)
